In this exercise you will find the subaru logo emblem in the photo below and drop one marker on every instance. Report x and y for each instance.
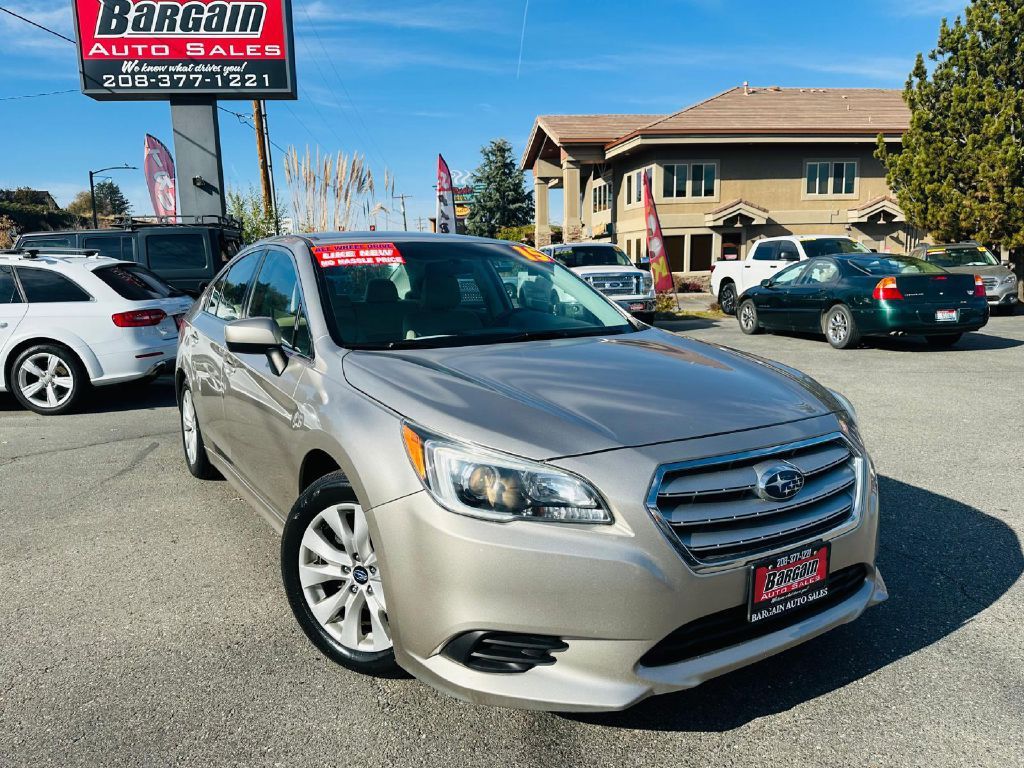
(360, 575)
(778, 482)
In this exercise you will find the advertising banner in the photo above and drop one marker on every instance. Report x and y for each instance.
(159, 168)
(156, 49)
(445, 199)
(663, 282)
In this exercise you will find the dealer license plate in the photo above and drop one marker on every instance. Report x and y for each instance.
(947, 315)
(786, 583)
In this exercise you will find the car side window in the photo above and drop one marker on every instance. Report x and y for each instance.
(112, 246)
(176, 252)
(788, 251)
(48, 242)
(228, 295)
(277, 295)
(822, 272)
(766, 252)
(44, 286)
(9, 293)
(789, 276)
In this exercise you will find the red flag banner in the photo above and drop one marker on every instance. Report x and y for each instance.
(159, 169)
(663, 282)
(445, 199)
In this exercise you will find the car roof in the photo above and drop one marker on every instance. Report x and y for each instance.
(57, 258)
(331, 238)
(802, 238)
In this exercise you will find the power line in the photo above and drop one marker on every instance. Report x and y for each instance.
(38, 95)
(37, 24)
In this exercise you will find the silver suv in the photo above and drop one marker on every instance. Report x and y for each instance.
(467, 490)
(971, 258)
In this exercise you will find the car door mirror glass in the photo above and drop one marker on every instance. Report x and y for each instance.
(766, 283)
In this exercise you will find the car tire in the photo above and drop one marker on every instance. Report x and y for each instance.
(746, 315)
(727, 298)
(192, 439)
(943, 341)
(332, 579)
(48, 379)
(840, 328)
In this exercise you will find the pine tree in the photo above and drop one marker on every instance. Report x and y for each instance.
(502, 199)
(960, 174)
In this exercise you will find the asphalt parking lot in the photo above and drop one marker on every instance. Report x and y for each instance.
(143, 622)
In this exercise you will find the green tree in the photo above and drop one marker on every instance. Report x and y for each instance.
(960, 173)
(503, 200)
(110, 201)
(257, 221)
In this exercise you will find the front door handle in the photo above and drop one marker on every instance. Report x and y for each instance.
(3, 325)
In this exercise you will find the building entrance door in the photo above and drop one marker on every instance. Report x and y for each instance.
(700, 252)
(732, 242)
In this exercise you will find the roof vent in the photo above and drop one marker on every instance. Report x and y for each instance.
(746, 88)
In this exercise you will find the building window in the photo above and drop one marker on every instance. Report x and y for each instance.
(602, 194)
(681, 180)
(831, 178)
(635, 186)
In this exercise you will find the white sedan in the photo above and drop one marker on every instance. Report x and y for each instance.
(70, 320)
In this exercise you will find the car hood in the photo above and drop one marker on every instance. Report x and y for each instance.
(549, 399)
(610, 269)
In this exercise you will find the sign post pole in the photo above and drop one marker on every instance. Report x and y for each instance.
(197, 152)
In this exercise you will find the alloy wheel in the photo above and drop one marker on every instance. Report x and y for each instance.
(46, 380)
(727, 300)
(341, 581)
(747, 316)
(838, 327)
(188, 426)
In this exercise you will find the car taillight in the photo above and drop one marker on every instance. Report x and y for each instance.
(887, 290)
(979, 287)
(139, 319)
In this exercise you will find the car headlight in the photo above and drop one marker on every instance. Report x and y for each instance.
(493, 486)
(648, 283)
(1008, 280)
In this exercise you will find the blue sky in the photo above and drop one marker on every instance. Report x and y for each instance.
(410, 79)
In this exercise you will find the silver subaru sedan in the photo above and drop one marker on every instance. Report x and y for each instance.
(487, 474)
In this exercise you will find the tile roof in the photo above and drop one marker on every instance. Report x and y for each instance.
(592, 128)
(787, 110)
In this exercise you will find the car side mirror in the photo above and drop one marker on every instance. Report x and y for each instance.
(791, 257)
(257, 336)
(766, 283)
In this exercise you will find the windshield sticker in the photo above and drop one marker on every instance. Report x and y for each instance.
(531, 253)
(357, 254)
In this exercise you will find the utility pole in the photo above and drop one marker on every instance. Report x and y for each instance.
(259, 121)
(405, 219)
(270, 165)
(419, 224)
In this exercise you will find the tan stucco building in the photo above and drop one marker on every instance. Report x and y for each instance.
(742, 165)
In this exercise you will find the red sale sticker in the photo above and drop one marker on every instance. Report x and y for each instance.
(358, 254)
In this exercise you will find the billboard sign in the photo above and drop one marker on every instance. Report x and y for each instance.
(159, 49)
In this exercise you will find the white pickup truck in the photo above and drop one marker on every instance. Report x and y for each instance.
(608, 269)
(729, 279)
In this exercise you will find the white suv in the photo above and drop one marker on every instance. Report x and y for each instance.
(71, 319)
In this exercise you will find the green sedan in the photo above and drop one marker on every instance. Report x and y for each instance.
(846, 297)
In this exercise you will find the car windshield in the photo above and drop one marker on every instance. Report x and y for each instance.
(968, 256)
(590, 256)
(895, 265)
(385, 295)
(829, 246)
(136, 283)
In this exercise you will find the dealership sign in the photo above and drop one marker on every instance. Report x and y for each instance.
(158, 49)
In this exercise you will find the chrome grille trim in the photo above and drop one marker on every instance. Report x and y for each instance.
(708, 509)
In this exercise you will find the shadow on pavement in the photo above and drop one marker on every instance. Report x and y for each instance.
(971, 342)
(690, 324)
(926, 540)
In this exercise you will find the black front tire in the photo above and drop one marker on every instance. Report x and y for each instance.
(198, 465)
(727, 298)
(69, 365)
(944, 341)
(747, 317)
(329, 490)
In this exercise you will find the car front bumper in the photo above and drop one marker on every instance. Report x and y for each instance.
(611, 593)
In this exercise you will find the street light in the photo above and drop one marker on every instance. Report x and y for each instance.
(92, 187)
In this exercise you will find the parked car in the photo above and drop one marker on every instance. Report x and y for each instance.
(70, 321)
(465, 492)
(852, 296)
(767, 258)
(974, 259)
(607, 267)
(186, 256)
